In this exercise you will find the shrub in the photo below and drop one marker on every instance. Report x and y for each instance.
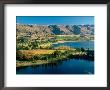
(63, 48)
(82, 49)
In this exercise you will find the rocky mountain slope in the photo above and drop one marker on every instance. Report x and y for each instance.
(30, 30)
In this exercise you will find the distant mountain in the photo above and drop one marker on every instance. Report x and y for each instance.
(30, 30)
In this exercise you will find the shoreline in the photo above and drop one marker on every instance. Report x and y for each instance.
(30, 63)
(41, 62)
(30, 53)
(68, 41)
(38, 62)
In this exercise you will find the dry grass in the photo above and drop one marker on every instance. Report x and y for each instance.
(36, 52)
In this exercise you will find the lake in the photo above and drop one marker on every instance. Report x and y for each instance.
(84, 44)
(69, 66)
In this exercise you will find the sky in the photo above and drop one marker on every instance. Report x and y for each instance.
(58, 20)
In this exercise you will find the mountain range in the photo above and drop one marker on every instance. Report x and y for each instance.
(33, 29)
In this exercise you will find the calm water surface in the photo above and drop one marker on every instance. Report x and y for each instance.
(84, 44)
(70, 66)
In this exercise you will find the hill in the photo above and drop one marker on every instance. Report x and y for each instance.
(32, 30)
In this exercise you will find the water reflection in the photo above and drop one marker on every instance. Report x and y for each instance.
(52, 65)
(70, 66)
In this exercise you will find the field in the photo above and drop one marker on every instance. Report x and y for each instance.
(36, 57)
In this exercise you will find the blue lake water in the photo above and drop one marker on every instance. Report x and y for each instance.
(71, 66)
(84, 44)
